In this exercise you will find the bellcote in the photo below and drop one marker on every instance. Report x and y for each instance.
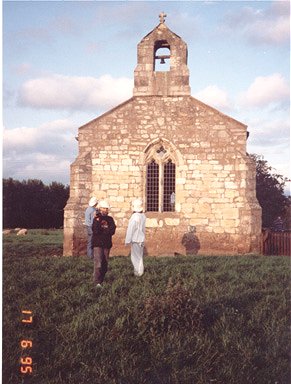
(161, 64)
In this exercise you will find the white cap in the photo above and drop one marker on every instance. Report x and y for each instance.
(136, 205)
(103, 204)
(93, 201)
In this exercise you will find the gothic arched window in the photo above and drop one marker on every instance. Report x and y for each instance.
(160, 182)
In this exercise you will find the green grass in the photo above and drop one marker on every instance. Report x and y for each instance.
(188, 320)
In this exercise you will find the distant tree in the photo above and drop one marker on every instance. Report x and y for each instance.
(31, 204)
(270, 192)
(33, 201)
(288, 215)
(58, 195)
(12, 201)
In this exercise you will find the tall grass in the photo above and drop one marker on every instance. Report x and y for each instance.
(188, 320)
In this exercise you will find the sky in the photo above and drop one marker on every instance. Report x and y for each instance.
(67, 62)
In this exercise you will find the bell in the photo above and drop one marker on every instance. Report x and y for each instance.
(162, 61)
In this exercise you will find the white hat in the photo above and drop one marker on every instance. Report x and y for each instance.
(136, 205)
(103, 204)
(93, 201)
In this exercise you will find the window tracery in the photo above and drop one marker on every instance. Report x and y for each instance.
(160, 179)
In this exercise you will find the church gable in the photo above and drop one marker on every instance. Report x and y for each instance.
(184, 121)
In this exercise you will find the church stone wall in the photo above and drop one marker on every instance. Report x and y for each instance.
(216, 209)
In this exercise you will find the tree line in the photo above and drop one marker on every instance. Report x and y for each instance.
(270, 193)
(31, 204)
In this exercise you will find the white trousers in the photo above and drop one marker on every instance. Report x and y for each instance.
(136, 256)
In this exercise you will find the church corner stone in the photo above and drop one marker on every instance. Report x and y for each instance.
(204, 200)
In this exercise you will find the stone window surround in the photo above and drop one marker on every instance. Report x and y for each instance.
(161, 151)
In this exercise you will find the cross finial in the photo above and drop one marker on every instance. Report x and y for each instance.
(162, 17)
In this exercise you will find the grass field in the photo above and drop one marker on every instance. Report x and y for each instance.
(188, 320)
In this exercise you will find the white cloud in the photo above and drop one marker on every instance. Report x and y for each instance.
(266, 90)
(65, 92)
(214, 97)
(270, 133)
(37, 165)
(271, 31)
(21, 139)
(261, 26)
(43, 152)
(278, 23)
(271, 139)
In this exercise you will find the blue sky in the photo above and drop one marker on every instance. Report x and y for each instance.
(65, 63)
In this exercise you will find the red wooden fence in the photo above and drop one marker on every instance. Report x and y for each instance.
(276, 243)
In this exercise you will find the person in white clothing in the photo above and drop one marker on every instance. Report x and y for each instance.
(135, 236)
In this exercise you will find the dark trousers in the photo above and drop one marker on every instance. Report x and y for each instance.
(101, 257)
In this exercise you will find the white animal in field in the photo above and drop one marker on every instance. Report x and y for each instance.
(22, 232)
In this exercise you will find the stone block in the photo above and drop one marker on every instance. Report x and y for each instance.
(231, 185)
(172, 222)
(152, 223)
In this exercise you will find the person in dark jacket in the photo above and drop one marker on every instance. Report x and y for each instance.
(103, 229)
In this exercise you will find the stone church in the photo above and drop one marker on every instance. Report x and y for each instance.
(185, 159)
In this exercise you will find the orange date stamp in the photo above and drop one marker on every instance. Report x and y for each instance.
(26, 345)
